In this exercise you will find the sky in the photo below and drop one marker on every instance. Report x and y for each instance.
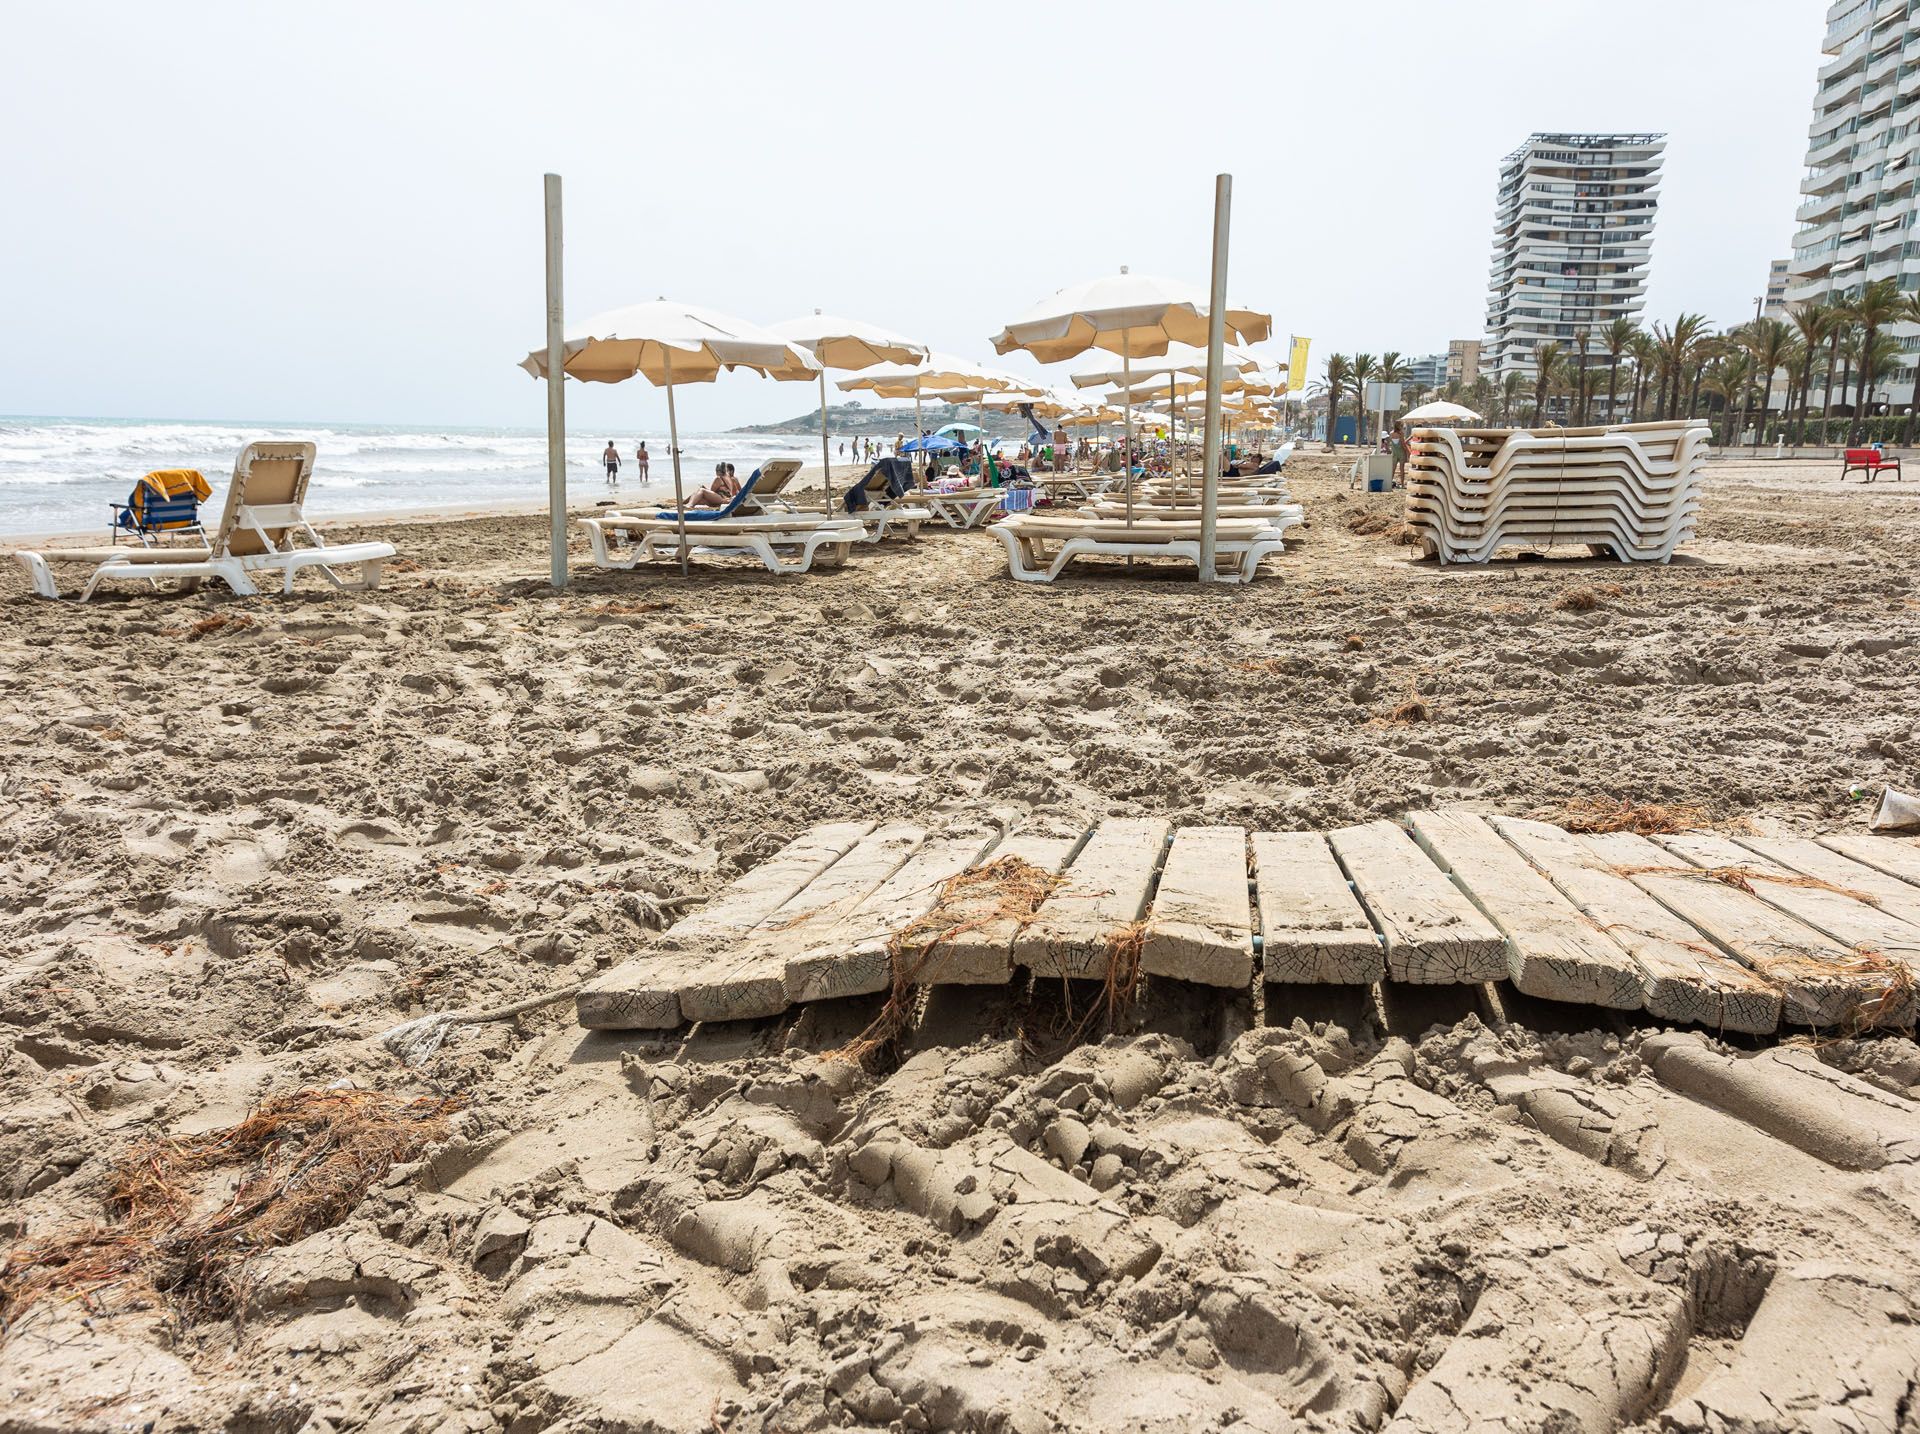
(333, 212)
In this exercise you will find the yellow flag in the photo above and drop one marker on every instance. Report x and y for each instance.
(1297, 366)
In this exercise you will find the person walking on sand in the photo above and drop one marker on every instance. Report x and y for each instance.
(612, 459)
(1397, 442)
(641, 462)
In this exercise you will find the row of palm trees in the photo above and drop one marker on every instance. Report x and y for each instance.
(1626, 373)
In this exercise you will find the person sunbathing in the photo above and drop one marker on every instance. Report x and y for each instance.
(718, 493)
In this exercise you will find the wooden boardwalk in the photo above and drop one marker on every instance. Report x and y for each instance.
(1730, 933)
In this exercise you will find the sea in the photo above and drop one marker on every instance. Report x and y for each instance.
(58, 475)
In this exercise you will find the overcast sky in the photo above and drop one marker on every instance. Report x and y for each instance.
(332, 211)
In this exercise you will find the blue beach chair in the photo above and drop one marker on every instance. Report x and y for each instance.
(164, 502)
(780, 470)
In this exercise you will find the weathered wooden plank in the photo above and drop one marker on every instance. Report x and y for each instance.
(738, 983)
(1555, 951)
(980, 951)
(643, 993)
(852, 959)
(1896, 856)
(1200, 927)
(1805, 855)
(1870, 933)
(1312, 926)
(1808, 967)
(1105, 891)
(1687, 977)
(1434, 935)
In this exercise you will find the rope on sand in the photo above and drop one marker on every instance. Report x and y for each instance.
(416, 1040)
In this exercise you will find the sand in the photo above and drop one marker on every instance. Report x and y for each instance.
(239, 839)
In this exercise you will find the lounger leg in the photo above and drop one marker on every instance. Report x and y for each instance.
(1018, 567)
(40, 574)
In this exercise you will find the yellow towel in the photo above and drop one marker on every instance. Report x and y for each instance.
(168, 483)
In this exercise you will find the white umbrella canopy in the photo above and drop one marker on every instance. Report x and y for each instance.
(937, 376)
(935, 371)
(1264, 381)
(1441, 412)
(1127, 314)
(848, 343)
(1123, 313)
(845, 344)
(1179, 358)
(669, 343)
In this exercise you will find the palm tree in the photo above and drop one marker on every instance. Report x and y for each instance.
(1512, 388)
(1480, 394)
(1679, 346)
(1711, 347)
(1581, 340)
(1548, 360)
(1876, 364)
(1767, 341)
(1393, 369)
(1616, 338)
(1646, 358)
(1362, 369)
(1880, 303)
(1911, 315)
(1811, 322)
(1335, 388)
(1729, 376)
(1798, 364)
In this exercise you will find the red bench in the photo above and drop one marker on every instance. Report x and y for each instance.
(1872, 462)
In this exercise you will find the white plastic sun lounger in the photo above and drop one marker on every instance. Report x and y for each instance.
(1040, 546)
(783, 543)
(256, 537)
(968, 508)
(1278, 515)
(882, 519)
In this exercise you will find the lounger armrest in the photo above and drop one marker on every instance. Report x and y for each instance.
(285, 516)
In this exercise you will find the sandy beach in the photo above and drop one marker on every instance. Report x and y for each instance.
(244, 837)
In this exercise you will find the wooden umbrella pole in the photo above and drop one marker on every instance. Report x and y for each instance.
(826, 460)
(556, 391)
(1216, 341)
(1173, 429)
(673, 444)
(1126, 380)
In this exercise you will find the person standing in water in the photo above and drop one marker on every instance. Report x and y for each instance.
(641, 461)
(612, 459)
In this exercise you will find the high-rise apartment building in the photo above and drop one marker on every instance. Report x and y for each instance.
(1856, 222)
(1425, 371)
(1572, 235)
(1463, 360)
(1774, 306)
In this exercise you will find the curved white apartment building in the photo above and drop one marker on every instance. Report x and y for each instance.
(1857, 216)
(1572, 234)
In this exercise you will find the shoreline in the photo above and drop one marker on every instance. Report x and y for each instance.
(653, 493)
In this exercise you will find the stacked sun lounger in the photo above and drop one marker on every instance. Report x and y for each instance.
(1631, 491)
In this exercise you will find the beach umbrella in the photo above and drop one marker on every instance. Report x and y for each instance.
(1179, 358)
(844, 344)
(937, 375)
(959, 428)
(1128, 314)
(1180, 370)
(669, 343)
(1441, 411)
